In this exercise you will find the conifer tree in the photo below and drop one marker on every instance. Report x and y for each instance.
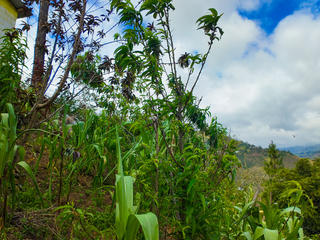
(275, 161)
(272, 166)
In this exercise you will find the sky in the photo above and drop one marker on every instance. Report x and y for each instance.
(262, 79)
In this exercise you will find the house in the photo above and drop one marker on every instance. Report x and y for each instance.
(10, 10)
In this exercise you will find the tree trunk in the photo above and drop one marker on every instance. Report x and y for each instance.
(39, 49)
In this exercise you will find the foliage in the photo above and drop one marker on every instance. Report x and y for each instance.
(272, 166)
(12, 55)
(275, 161)
(85, 69)
(300, 187)
(253, 177)
(77, 218)
(274, 224)
(182, 158)
(210, 214)
(8, 149)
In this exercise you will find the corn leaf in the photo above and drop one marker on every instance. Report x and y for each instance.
(29, 171)
(128, 223)
(270, 234)
(258, 233)
(148, 223)
(247, 235)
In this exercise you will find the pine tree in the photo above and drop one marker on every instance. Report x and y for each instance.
(272, 166)
(275, 160)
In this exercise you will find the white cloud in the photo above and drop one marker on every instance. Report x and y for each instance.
(263, 87)
(249, 5)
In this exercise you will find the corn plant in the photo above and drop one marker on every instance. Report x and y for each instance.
(127, 221)
(8, 148)
(274, 225)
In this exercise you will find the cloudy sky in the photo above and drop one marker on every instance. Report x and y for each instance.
(262, 80)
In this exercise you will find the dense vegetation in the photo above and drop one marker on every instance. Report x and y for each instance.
(149, 148)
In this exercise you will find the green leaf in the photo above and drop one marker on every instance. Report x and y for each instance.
(290, 209)
(148, 223)
(21, 152)
(258, 233)
(301, 235)
(203, 201)
(247, 235)
(270, 234)
(190, 185)
(293, 234)
(29, 171)
(267, 214)
(245, 209)
(127, 223)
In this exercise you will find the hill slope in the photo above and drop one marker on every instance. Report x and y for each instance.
(305, 152)
(252, 156)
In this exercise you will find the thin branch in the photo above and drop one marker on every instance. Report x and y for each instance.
(200, 71)
(66, 73)
(169, 150)
(188, 79)
(45, 85)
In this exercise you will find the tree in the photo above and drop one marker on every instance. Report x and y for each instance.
(67, 43)
(272, 165)
(185, 159)
(40, 48)
(274, 162)
(41, 86)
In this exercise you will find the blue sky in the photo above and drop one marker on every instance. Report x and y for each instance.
(269, 14)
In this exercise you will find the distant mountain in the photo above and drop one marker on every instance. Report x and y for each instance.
(304, 152)
(252, 156)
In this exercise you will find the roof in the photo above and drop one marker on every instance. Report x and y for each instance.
(18, 4)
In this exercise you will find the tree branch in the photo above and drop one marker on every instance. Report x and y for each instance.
(200, 71)
(73, 54)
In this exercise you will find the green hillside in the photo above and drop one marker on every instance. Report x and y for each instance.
(253, 156)
(305, 152)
